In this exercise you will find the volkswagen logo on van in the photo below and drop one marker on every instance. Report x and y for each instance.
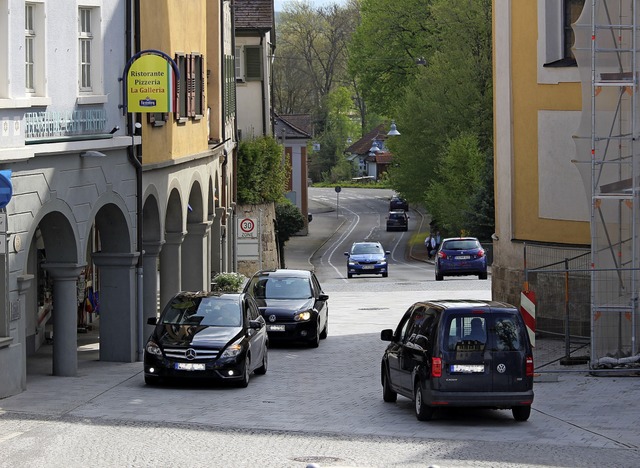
(501, 368)
(272, 318)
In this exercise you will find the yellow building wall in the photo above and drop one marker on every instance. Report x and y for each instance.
(528, 98)
(175, 26)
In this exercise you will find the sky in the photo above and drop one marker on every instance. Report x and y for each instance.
(279, 4)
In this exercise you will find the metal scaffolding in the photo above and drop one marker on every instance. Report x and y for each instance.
(615, 182)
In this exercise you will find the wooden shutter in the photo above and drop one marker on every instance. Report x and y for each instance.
(253, 62)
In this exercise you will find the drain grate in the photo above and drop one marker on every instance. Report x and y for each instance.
(318, 459)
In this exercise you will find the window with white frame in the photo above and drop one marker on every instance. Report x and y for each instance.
(559, 15)
(85, 36)
(29, 47)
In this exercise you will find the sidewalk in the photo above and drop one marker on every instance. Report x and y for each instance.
(299, 249)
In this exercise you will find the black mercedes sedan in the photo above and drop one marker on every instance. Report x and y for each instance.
(292, 303)
(207, 335)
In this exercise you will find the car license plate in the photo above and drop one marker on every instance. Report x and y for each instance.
(189, 366)
(463, 257)
(467, 368)
(367, 267)
(275, 327)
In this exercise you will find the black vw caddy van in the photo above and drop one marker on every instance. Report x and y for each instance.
(459, 353)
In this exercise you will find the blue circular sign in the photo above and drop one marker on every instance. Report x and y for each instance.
(6, 188)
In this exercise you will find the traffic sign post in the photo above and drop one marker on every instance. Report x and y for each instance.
(247, 228)
(338, 189)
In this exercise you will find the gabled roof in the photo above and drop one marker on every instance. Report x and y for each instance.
(254, 15)
(363, 145)
(295, 125)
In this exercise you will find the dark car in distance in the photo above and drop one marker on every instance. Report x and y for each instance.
(397, 221)
(207, 335)
(459, 353)
(398, 203)
(292, 303)
(367, 258)
(459, 256)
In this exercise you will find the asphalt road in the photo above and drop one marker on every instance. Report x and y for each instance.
(314, 406)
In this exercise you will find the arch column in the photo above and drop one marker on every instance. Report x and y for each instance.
(195, 276)
(171, 266)
(24, 284)
(210, 237)
(151, 251)
(216, 241)
(118, 323)
(65, 317)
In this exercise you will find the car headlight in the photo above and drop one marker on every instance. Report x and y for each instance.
(352, 263)
(153, 348)
(302, 316)
(383, 261)
(232, 351)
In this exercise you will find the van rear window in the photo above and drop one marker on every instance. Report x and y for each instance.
(468, 333)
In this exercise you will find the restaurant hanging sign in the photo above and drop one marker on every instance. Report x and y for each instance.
(149, 82)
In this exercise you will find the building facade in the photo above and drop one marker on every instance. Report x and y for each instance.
(541, 202)
(71, 221)
(109, 208)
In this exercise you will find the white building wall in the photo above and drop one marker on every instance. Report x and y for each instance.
(49, 168)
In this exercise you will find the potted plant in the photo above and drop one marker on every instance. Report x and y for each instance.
(231, 282)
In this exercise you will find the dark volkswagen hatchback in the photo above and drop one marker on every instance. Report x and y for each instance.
(292, 303)
(207, 335)
(459, 353)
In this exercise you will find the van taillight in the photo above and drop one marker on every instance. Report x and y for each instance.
(436, 367)
(529, 366)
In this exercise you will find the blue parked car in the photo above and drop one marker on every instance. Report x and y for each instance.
(459, 256)
(367, 258)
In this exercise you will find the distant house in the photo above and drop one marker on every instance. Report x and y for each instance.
(255, 45)
(369, 154)
(294, 131)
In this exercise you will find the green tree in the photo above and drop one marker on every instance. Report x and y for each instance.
(262, 177)
(289, 220)
(391, 38)
(311, 59)
(450, 96)
(459, 176)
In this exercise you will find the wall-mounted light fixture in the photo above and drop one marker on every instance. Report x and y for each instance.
(114, 130)
(394, 131)
(92, 154)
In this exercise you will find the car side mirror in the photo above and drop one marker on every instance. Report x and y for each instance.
(386, 335)
(387, 252)
(347, 254)
(323, 297)
(256, 324)
(152, 321)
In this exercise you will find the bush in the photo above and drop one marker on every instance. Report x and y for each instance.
(228, 282)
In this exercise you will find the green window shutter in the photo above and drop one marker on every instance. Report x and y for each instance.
(253, 62)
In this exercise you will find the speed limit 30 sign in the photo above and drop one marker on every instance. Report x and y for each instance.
(247, 227)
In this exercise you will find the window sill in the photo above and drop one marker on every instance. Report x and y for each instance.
(92, 99)
(25, 103)
(5, 341)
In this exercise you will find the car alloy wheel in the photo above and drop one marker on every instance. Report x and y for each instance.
(423, 411)
(244, 383)
(265, 363)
